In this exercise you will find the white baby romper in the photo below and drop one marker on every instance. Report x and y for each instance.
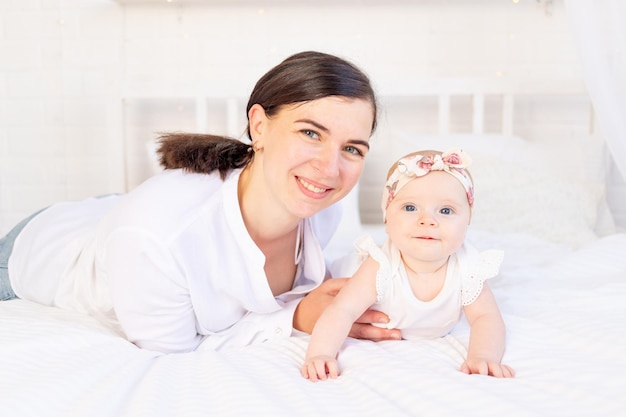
(466, 272)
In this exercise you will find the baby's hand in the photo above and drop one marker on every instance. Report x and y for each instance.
(483, 366)
(320, 368)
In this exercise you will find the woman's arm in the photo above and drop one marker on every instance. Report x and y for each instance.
(311, 307)
(255, 327)
(150, 298)
(487, 337)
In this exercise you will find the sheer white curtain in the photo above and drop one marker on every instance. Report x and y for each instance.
(599, 27)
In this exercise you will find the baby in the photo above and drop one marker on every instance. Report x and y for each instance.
(425, 275)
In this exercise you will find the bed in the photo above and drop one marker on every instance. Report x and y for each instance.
(561, 290)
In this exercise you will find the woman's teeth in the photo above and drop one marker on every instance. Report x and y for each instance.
(311, 187)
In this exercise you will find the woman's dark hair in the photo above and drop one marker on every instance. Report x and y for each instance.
(308, 76)
(202, 153)
(302, 77)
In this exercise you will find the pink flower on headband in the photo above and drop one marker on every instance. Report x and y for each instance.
(452, 159)
(456, 158)
(426, 163)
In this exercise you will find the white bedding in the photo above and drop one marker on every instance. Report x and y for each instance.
(565, 311)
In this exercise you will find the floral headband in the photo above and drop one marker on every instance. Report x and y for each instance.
(453, 161)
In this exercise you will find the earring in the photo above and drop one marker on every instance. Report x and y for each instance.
(256, 147)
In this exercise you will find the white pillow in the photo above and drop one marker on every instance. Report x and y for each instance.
(553, 191)
(511, 198)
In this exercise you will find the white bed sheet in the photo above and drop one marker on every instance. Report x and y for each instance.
(565, 312)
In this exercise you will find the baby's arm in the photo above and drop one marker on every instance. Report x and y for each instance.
(335, 322)
(487, 337)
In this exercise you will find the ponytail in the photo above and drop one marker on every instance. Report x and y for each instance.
(202, 153)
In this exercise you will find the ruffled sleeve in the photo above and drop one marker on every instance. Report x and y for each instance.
(367, 246)
(478, 268)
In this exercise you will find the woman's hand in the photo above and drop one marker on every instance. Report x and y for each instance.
(309, 309)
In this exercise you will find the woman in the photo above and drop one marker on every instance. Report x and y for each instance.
(223, 247)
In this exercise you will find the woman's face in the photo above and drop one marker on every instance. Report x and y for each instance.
(312, 153)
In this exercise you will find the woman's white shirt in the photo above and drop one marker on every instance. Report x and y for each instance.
(167, 264)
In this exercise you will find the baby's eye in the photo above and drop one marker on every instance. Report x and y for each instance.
(409, 207)
(446, 210)
(311, 133)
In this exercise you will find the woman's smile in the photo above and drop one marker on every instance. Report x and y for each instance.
(311, 187)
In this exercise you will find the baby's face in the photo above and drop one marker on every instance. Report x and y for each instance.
(428, 218)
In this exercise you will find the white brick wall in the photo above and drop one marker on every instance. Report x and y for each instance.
(65, 65)
(60, 114)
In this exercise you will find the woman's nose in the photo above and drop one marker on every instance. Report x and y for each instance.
(327, 161)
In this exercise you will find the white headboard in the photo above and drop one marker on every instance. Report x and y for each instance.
(413, 114)
(232, 106)
(478, 90)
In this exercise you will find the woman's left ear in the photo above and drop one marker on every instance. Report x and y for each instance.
(256, 119)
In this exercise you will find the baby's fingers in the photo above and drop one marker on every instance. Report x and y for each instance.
(332, 368)
(320, 370)
(507, 371)
(500, 371)
(309, 371)
(475, 367)
(481, 367)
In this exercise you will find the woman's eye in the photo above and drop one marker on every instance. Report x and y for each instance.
(354, 150)
(310, 133)
(409, 207)
(446, 210)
